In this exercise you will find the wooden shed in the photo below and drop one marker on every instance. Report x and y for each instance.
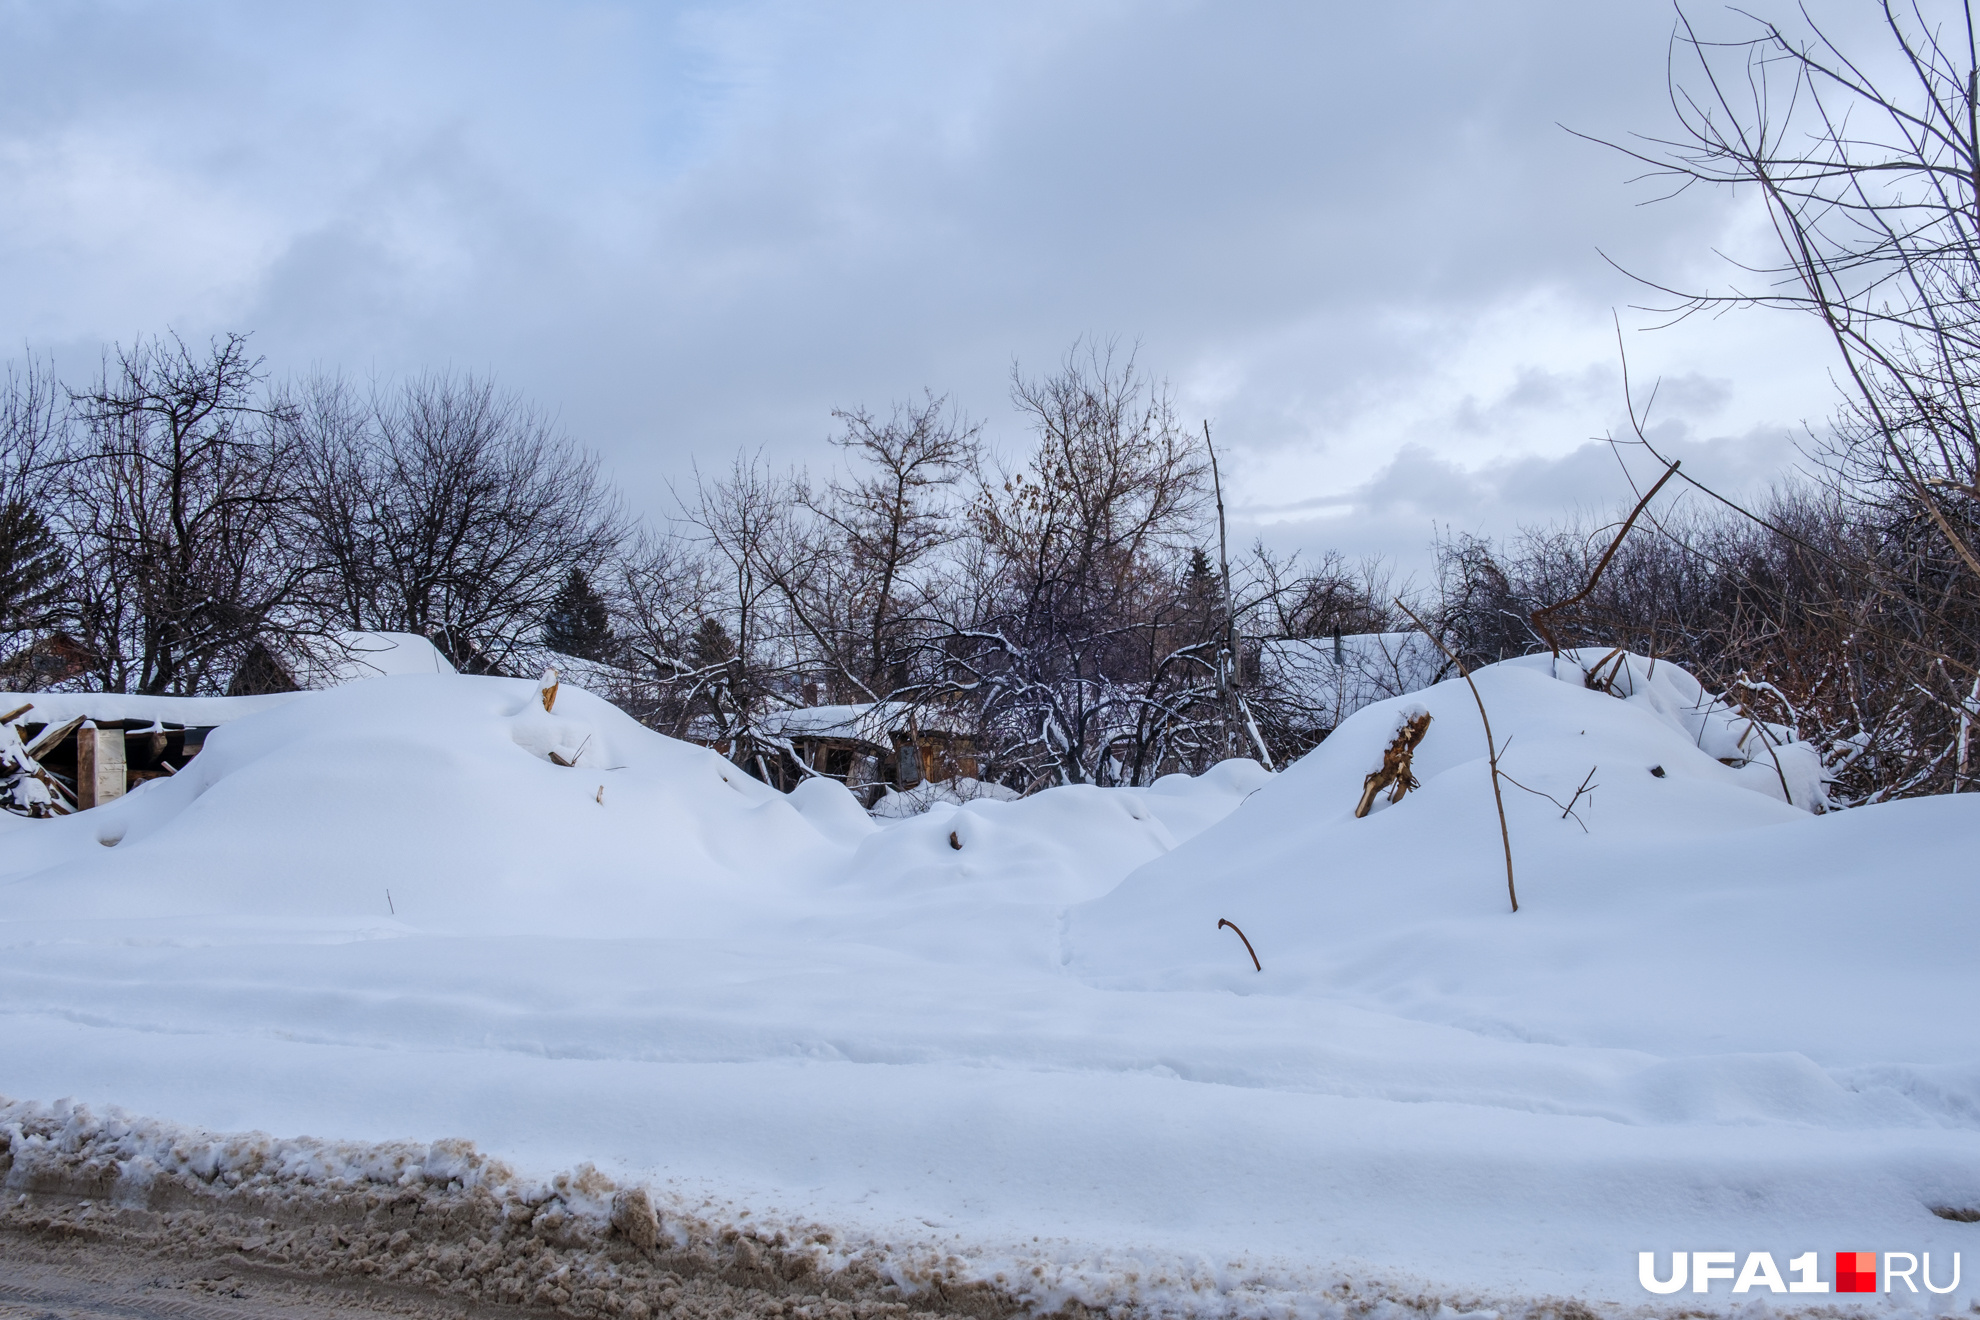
(870, 746)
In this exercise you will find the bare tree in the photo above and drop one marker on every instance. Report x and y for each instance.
(662, 596)
(861, 589)
(449, 509)
(1873, 186)
(329, 427)
(1078, 613)
(176, 501)
(739, 660)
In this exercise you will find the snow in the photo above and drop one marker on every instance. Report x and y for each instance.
(875, 722)
(1012, 1031)
(897, 803)
(377, 655)
(190, 712)
(870, 722)
(367, 655)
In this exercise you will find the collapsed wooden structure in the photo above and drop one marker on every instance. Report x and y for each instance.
(870, 747)
(69, 751)
(84, 763)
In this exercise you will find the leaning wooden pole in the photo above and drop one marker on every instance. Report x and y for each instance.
(1234, 709)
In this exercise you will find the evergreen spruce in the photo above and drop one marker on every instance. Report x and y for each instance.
(579, 622)
(30, 569)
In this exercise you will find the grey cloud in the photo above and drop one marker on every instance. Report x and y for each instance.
(690, 228)
(1535, 389)
(1691, 394)
(1420, 495)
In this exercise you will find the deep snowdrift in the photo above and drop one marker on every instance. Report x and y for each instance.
(1689, 911)
(441, 789)
(1013, 1030)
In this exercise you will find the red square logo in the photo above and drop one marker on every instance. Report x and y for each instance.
(1856, 1271)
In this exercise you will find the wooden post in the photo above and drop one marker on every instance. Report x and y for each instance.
(100, 765)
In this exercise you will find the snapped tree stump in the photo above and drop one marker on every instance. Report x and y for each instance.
(1394, 774)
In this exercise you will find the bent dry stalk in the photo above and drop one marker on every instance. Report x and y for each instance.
(1226, 921)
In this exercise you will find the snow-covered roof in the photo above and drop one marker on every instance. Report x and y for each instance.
(375, 655)
(874, 722)
(1334, 678)
(368, 655)
(109, 707)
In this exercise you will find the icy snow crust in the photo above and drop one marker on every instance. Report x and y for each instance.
(1011, 1035)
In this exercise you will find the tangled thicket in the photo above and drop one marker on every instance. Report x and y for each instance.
(1828, 612)
(1065, 611)
(1847, 605)
(180, 526)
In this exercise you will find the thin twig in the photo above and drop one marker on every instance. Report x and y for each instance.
(1754, 725)
(1541, 616)
(1491, 747)
(1567, 808)
(1587, 788)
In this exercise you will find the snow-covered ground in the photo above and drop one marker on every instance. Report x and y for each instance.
(1015, 1032)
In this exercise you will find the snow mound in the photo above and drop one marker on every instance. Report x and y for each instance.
(455, 805)
(1683, 903)
(441, 789)
(990, 879)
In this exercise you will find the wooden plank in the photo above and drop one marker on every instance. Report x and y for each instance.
(100, 766)
(49, 737)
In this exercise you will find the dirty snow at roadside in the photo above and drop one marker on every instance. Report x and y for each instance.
(1013, 1031)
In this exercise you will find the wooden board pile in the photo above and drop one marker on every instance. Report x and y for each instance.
(58, 768)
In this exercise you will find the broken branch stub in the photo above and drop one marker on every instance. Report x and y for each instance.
(547, 686)
(1395, 772)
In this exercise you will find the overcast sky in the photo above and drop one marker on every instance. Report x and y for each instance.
(1353, 236)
